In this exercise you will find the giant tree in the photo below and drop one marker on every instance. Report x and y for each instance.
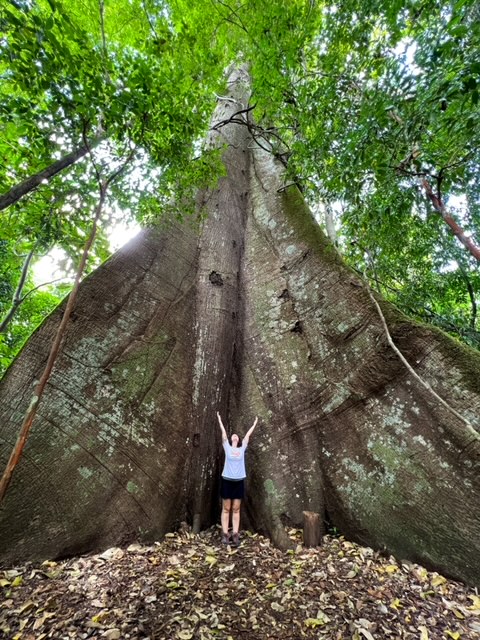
(249, 310)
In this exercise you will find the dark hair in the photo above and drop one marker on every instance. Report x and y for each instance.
(239, 441)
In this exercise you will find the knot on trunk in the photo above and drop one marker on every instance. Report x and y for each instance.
(297, 327)
(216, 279)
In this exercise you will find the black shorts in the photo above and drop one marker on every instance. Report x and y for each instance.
(232, 489)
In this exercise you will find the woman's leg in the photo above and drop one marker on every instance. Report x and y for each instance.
(236, 516)
(226, 507)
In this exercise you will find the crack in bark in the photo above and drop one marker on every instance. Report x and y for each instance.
(158, 371)
(31, 460)
(303, 333)
(356, 330)
(99, 462)
(103, 466)
(108, 424)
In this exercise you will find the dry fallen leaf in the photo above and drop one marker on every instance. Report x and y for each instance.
(314, 622)
(40, 621)
(438, 580)
(452, 634)
(475, 608)
(365, 633)
(423, 632)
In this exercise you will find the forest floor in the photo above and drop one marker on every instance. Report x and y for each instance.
(191, 587)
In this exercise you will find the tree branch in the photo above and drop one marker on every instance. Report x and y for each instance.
(233, 12)
(448, 218)
(101, 7)
(426, 313)
(256, 132)
(89, 151)
(233, 119)
(17, 296)
(54, 349)
(39, 286)
(20, 190)
(113, 176)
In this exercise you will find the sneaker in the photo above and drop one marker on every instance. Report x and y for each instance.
(225, 538)
(235, 541)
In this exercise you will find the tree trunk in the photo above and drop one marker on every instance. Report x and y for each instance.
(254, 315)
(18, 296)
(17, 192)
(312, 529)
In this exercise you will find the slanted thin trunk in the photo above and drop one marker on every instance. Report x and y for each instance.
(256, 314)
(17, 192)
(455, 228)
(18, 296)
(330, 224)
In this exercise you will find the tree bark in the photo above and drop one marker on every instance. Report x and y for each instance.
(312, 533)
(17, 192)
(253, 314)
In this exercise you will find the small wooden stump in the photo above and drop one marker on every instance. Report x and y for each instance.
(312, 529)
(197, 522)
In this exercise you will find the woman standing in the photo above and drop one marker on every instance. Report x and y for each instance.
(233, 476)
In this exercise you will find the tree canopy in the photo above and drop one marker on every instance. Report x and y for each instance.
(372, 106)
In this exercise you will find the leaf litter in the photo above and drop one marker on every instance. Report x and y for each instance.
(190, 587)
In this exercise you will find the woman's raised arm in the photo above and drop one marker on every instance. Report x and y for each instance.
(249, 432)
(222, 428)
